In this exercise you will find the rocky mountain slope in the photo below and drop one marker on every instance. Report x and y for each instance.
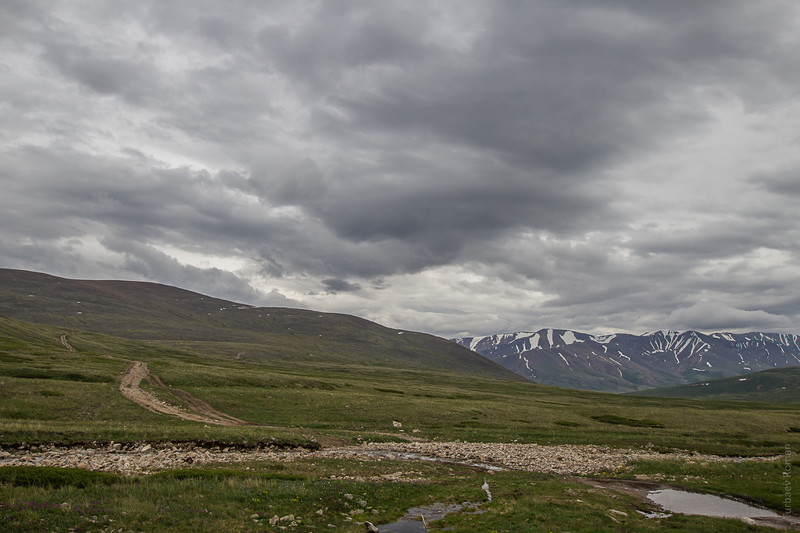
(624, 362)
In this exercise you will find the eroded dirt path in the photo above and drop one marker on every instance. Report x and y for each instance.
(196, 409)
(65, 342)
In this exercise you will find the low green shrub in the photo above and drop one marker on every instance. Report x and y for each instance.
(622, 421)
(48, 476)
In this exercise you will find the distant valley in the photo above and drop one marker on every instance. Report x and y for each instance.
(624, 362)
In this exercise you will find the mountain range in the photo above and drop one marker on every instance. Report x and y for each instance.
(623, 362)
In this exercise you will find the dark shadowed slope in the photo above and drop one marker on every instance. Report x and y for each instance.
(779, 385)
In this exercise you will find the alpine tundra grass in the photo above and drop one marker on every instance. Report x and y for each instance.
(61, 385)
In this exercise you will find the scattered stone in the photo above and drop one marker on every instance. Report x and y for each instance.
(370, 528)
(348, 496)
(396, 424)
(140, 458)
(618, 513)
(287, 518)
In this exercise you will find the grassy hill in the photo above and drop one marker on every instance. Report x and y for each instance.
(184, 319)
(781, 385)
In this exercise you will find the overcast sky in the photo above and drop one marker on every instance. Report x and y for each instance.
(456, 167)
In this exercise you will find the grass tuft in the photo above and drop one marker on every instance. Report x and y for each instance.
(46, 476)
(622, 421)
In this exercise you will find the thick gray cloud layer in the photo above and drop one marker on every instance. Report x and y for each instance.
(455, 167)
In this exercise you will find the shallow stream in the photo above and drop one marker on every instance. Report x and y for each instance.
(415, 518)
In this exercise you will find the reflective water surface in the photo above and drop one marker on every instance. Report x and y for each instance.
(679, 501)
(413, 521)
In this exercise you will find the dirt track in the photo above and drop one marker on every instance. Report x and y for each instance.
(65, 342)
(196, 409)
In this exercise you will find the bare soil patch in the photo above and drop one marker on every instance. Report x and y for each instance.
(196, 409)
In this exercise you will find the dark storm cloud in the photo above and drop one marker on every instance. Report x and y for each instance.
(735, 237)
(786, 182)
(135, 81)
(334, 285)
(149, 263)
(517, 150)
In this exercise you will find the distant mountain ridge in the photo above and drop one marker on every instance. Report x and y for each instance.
(625, 362)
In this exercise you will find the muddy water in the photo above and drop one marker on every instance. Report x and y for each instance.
(680, 501)
(672, 500)
(415, 518)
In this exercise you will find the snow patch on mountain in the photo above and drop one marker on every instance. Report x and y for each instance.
(664, 357)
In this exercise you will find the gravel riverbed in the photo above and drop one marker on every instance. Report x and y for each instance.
(144, 458)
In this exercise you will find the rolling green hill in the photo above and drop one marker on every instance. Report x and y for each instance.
(781, 385)
(184, 319)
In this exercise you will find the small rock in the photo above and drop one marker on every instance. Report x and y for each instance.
(370, 527)
(287, 518)
(618, 513)
(348, 496)
(274, 520)
(396, 424)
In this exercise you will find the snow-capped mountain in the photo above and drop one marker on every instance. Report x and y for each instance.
(624, 362)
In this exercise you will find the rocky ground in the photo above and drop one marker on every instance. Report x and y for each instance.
(143, 458)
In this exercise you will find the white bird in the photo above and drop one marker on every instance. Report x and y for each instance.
(485, 487)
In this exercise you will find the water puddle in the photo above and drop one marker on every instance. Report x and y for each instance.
(672, 500)
(416, 518)
(680, 501)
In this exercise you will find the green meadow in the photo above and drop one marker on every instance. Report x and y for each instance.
(50, 394)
